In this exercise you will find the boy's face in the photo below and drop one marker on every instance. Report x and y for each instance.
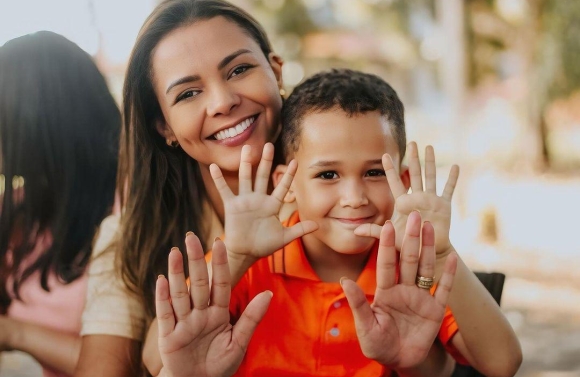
(340, 182)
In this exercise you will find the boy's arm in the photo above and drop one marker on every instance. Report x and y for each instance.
(252, 227)
(485, 337)
(53, 348)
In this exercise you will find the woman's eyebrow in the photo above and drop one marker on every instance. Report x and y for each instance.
(224, 62)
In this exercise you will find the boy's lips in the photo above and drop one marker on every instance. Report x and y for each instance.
(354, 220)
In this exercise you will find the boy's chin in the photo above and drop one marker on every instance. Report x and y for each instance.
(353, 245)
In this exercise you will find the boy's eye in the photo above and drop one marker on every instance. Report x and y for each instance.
(187, 94)
(327, 175)
(375, 173)
(240, 69)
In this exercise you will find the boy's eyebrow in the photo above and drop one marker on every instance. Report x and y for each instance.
(327, 163)
(225, 61)
(323, 164)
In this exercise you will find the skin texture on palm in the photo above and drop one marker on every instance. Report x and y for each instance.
(252, 227)
(195, 334)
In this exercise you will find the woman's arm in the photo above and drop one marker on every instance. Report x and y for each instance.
(53, 348)
(108, 355)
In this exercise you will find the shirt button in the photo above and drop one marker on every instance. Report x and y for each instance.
(337, 305)
(334, 332)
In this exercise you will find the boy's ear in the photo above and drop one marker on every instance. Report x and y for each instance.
(405, 176)
(165, 131)
(277, 178)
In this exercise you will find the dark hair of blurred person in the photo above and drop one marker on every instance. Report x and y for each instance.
(59, 131)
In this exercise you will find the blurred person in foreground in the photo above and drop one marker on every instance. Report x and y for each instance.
(59, 132)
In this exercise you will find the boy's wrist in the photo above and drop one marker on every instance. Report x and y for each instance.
(440, 259)
(244, 261)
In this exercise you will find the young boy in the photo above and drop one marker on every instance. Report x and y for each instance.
(337, 126)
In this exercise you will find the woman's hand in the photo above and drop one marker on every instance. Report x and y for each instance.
(195, 334)
(399, 327)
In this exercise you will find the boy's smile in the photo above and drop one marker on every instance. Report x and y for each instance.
(340, 182)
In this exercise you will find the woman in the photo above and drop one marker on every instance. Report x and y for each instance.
(202, 81)
(59, 131)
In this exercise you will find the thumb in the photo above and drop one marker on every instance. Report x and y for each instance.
(369, 230)
(364, 318)
(298, 230)
(251, 317)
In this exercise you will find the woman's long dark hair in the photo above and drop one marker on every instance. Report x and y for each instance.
(163, 188)
(59, 134)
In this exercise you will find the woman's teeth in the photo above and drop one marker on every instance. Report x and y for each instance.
(234, 131)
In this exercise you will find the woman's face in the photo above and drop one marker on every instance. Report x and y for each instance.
(217, 91)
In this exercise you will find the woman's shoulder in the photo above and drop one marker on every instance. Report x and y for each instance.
(106, 233)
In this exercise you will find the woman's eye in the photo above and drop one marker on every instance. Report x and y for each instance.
(186, 94)
(327, 175)
(375, 173)
(240, 69)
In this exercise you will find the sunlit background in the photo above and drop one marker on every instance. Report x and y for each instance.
(494, 85)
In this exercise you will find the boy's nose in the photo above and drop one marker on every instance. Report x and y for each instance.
(222, 100)
(354, 195)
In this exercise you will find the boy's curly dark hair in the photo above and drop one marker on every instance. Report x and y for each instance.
(354, 92)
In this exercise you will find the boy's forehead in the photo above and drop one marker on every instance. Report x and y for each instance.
(334, 131)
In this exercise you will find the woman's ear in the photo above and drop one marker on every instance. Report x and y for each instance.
(165, 132)
(276, 62)
(277, 178)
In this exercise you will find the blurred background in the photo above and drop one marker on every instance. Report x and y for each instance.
(493, 85)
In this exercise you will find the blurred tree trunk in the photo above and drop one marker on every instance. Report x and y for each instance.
(534, 147)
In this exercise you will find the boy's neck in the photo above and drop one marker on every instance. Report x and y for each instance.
(330, 265)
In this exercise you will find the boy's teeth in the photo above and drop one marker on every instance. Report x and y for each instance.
(234, 131)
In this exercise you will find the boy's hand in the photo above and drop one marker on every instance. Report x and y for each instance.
(195, 334)
(399, 327)
(433, 208)
(252, 226)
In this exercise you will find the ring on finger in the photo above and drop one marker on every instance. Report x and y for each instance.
(424, 282)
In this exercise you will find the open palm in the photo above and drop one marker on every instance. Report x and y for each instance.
(433, 208)
(195, 334)
(399, 327)
(252, 225)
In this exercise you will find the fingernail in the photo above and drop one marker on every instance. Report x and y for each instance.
(174, 248)
(160, 276)
(342, 279)
(269, 293)
(190, 233)
(215, 239)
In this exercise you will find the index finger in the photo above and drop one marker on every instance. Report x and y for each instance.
(397, 187)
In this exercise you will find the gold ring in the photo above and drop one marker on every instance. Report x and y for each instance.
(423, 282)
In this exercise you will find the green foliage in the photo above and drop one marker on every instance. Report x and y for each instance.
(561, 29)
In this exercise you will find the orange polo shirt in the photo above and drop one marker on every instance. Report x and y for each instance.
(309, 328)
